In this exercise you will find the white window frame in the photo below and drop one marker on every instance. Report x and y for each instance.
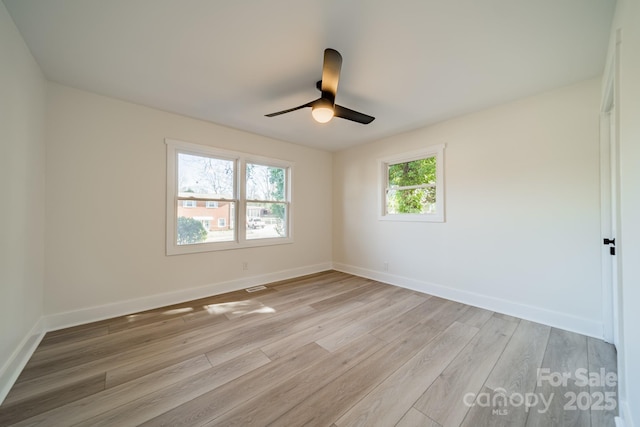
(436, 151)
(211, 205)
(189, 204)
(175, 147)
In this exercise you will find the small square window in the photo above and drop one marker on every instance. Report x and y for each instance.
(411, 186)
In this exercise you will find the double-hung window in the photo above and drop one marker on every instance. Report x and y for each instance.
(212, 194)
(411, 186)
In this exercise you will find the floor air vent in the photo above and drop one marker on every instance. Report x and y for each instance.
(256, 288)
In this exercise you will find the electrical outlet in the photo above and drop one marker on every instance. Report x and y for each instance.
(245, 266)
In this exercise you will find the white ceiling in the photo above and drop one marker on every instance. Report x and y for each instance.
(409, 63)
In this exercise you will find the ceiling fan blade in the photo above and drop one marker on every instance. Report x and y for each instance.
(331, 74)
(308, 104)
(354, 116)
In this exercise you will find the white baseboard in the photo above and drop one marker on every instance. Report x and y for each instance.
(535, 314)
(11, 370)
(121, 308)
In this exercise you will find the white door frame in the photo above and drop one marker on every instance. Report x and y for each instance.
(609, 198)
(608, 321)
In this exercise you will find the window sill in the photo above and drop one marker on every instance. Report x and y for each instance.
(225, 246)
(412, 217)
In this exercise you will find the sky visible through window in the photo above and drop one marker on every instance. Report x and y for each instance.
(205, 175)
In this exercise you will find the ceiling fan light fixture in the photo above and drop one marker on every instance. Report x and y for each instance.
(322, 113)
(325, 108)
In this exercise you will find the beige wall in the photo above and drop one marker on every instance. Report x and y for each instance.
(104, 154)
(522, 211)
(22, 197)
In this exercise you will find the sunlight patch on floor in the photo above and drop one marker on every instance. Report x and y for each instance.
(179, 310)
(238, 308)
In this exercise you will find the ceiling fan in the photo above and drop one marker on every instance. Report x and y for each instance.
(325, 108)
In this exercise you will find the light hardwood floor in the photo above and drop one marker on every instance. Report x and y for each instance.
(328, 349)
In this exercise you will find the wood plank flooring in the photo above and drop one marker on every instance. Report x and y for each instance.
(329, 349)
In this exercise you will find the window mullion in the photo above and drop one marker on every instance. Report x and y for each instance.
(410, 187)
(207, 199)
(265, 201)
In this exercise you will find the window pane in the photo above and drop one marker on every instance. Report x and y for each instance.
(265, 182)
(416, 172)
(417, 200)
(200, 224)
(205, 176)
(266, 220)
